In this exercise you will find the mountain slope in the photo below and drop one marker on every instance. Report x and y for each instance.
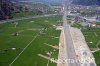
(86, 2)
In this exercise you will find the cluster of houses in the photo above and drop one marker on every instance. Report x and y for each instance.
(94, 24)
(84, 22)
(87, 16)
(36, 6)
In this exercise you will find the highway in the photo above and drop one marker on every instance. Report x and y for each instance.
(69, 47)
(22, 18)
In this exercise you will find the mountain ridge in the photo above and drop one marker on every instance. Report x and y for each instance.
(86, 2)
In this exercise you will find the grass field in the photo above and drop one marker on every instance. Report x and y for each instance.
(24, 14)
(30, 41)
(76, 25)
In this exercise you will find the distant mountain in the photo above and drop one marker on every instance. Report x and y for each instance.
(79, 2)
(86, 2)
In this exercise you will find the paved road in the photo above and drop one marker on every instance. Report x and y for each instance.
(69, 47)
(22, 18)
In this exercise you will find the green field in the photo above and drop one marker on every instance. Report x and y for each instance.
(92, 35)
(77, 25)
(31, 40)
(24, 14)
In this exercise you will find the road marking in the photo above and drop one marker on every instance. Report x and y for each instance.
(95, 51)
(95, 34)
(48, 58)
(97, 45)
(55, 47)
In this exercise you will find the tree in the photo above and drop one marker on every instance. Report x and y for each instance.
(5, 9)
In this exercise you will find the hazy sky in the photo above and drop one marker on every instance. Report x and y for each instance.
(50, 1)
